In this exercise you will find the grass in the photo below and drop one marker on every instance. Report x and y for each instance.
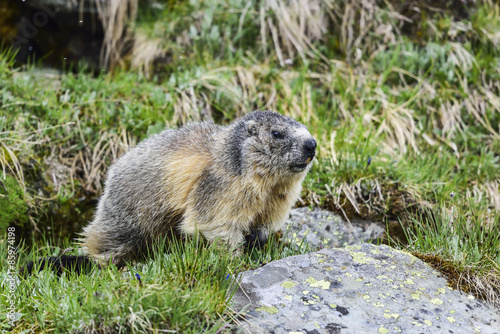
(182, 287)
(472, 263)
(405, 106)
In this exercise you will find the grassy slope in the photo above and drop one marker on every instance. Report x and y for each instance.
(405, 116)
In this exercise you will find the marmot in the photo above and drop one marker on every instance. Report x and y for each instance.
(223, 181)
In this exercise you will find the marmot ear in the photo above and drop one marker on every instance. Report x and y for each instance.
(252, 128)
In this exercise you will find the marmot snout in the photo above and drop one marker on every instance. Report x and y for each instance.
(225, 182)
(309, 150)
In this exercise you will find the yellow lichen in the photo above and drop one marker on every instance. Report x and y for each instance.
(361, 258)
(318, 284)
(437, 301)
(288, 284)
(268, 309)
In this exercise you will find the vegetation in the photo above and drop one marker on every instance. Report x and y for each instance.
(182, 288)
(402, 97)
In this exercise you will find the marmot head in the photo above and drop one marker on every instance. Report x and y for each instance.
(273, 142)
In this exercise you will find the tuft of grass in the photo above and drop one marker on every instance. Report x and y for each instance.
(462, 243)
(117, 18)
(275, 248)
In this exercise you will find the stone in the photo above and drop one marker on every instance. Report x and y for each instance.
(324, 229)
(357, 289)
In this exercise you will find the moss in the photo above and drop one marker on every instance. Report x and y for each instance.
(14, 209)
(454, 276)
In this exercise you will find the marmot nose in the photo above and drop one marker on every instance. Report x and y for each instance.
(310, 146)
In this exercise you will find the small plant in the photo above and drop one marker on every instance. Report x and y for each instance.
(14, 208)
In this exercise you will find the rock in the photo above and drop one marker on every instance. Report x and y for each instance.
(321, 229)
(358, 289)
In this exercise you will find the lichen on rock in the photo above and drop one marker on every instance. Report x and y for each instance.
(358, 289)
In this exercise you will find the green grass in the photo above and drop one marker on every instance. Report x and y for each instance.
(13, 204)
(183, 287)
(407, 124)
(464, 244)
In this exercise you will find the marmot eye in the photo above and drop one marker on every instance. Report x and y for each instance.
(278, 135)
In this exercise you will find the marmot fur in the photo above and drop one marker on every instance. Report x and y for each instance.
(223, 181)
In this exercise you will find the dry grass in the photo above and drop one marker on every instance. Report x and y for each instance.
(293, 27)
(145, 52)
(90, 164)
(10, 163)
(290, 27)
(484, 286)
(117, 17)
(363, 24)
(14, 143)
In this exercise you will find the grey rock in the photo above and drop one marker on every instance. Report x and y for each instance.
(324, 229)
(357, 289)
